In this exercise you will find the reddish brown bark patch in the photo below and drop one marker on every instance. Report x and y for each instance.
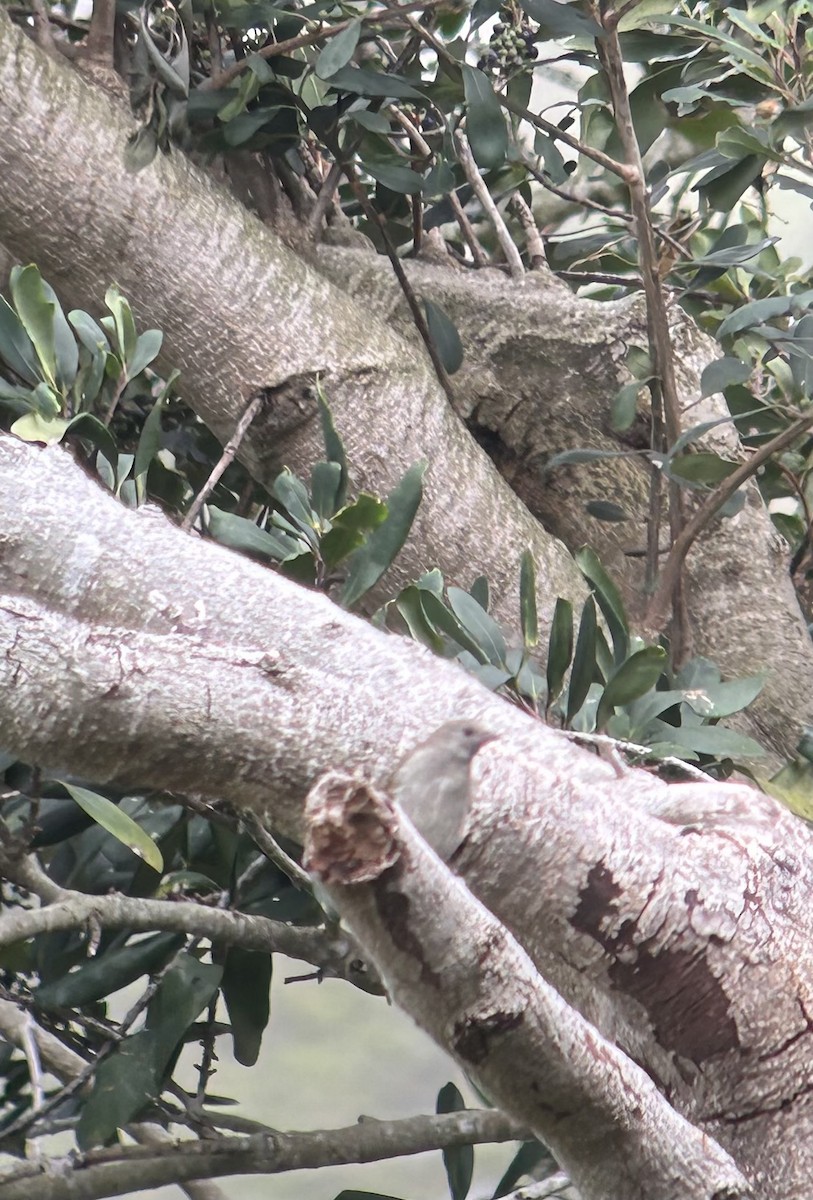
(686, 1002)
(472, 1037)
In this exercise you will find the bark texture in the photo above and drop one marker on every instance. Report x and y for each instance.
(241, 311)
(674, 919)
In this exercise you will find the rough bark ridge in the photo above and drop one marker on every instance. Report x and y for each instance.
(241, 312)
(674, 919)
(538, 378)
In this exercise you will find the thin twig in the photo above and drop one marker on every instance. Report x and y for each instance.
(658, 610)
(113, 1167)
(478, 254)
(663, 387)
(533, 239)
(324, 199)
(611, 743)
(229, 451)
(32, 1057)
(223, 78)
(376, 218)
(275, 853)
(478, 185)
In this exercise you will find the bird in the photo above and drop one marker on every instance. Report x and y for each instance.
(432, 783)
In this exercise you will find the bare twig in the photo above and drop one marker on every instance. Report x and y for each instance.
(418, 317)
(663, 388)
(275, 853)
(512, 255)
(469, 236)
(658, 610)
(229, 451)
(116, 1170)
(533, 239)
(32, 1057)
(324, 200)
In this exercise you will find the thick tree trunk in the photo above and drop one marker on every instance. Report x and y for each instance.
(675, 920)
(241, 311)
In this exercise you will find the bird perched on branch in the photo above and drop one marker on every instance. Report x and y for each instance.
(432, 784)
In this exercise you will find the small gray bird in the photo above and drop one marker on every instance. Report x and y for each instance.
(432, 783)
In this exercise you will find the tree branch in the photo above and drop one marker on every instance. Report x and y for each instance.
(456, 970)
(118, 1170)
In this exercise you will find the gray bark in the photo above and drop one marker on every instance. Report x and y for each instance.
(674, 919)
(241, 311)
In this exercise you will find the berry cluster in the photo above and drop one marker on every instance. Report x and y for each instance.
(512, 48)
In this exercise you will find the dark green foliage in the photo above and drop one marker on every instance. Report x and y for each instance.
(458, 1160)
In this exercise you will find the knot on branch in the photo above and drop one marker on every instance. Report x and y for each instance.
(351, 830)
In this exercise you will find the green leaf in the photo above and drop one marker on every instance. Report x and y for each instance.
(443, 620)
(717, 700)
(560, 647)
(45, 323)
(147, 348)
(91, 335)
(292, 494)
(482, 628)
(485, 124)
(632, 679)
(364, 82)
(133, 1074)
(408, 604)
(605, 510)
(91, 429)
(609, 599)
(458, 1160)
(479, 589)
(355, 1195)
(758, 311)
(338, 51)
(31, 427)
(16, 347)
(702, 467)
(584, 661)
(718, 375)
(722, 187)
(247, 89)
(326, 478)
(246, 991)
(334, 447)
(149, 444)
(527, 600)
(117, 823)
(557, 20)
(350, 527)
(238, 533)
(625, 406)
(109, 972)
(379, 551)
(123, 324)
(394, 175)
(445, 336)
(716, 740)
